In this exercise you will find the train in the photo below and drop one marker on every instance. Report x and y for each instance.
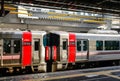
(41, 51)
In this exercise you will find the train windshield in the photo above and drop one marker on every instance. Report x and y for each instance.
(7, 46)
(11, 46)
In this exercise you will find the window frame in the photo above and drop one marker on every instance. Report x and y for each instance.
(111, 44)
(82, 46)
(102, 45)
(64, 44)
(38, 45)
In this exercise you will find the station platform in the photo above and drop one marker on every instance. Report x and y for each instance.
(94, 74)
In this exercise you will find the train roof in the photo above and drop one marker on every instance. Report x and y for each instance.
(38, 32)
(95, 31)
(92, 36)
(10, 34)
(59, 32)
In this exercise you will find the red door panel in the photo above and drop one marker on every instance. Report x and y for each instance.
(72, 48)
(26, 49)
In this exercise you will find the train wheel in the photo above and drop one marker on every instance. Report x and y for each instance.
(3, 71)
(115, 63)
(70, 66)
(83, 65)
(28, 69)
(93, 64)
(16, 70)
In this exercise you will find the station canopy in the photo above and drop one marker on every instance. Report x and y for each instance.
(102, 6)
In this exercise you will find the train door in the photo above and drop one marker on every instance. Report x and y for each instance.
(36, 51)
(64, 49)
(82, 49)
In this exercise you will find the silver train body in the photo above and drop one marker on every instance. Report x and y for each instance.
(55, 50)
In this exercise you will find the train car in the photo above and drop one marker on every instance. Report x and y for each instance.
(98, 46)
(27, 51)
(22, 51)
(75, 48)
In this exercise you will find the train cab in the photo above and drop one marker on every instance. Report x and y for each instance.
(22, 50)
(10, 49)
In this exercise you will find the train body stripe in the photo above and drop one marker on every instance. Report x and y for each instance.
(93, 53)
(10, 57)
(71, 48)
(26, 49)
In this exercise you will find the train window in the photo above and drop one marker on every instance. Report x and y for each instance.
(99, 45)
(85, 43)
(78, 45)
(64, 45)
(111, 45)
(17, 46)
(36, 47)
(7, 46)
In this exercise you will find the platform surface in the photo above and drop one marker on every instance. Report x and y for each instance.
(93, 74)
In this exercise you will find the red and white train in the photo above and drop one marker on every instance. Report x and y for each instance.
(55, 50)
